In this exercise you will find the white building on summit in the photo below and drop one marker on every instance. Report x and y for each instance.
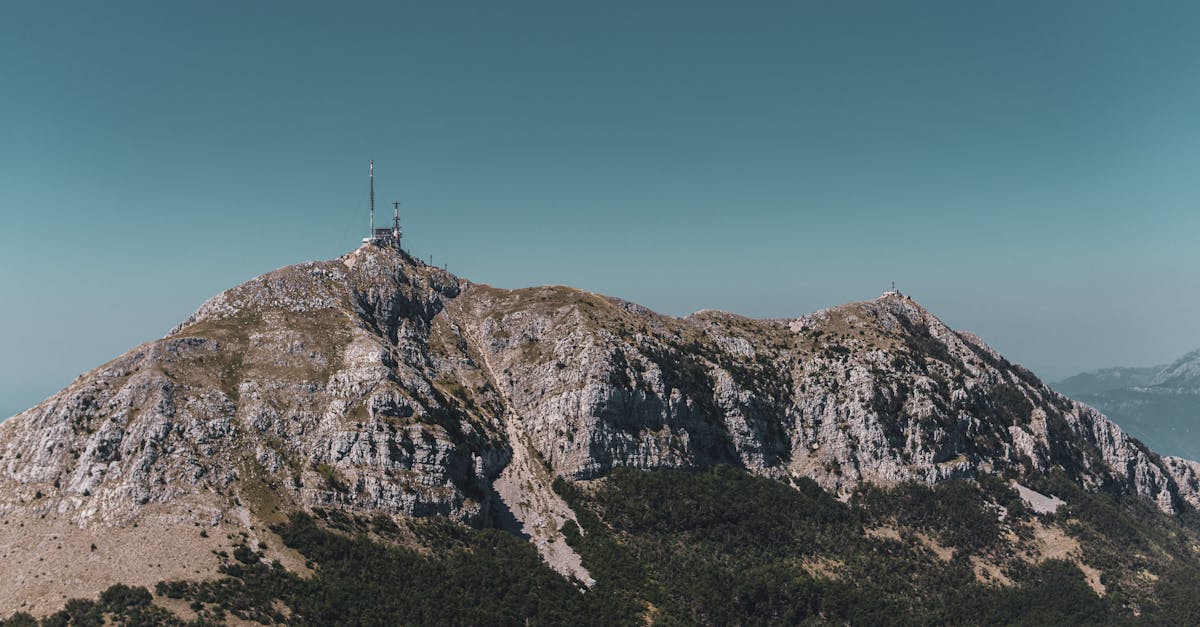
(383, 236)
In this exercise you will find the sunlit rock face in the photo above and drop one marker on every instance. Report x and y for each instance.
(878, 391)
(375, 383)
(311, 385)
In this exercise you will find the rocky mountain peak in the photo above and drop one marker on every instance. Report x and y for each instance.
(1183, 373)
(376, 383)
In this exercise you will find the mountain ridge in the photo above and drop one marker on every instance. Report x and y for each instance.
(374, 383)
(1159, 404)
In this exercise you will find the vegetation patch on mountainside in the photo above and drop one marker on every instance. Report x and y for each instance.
(718, 546)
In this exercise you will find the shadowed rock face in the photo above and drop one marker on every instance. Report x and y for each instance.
(376, 383)
(879, 391)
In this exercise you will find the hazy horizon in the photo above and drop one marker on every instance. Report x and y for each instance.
(1025, 171)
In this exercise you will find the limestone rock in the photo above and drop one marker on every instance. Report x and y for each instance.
(375, 383)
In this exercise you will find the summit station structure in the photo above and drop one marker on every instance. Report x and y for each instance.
(383, 236)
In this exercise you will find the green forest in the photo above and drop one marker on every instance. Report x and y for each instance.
(713, 547)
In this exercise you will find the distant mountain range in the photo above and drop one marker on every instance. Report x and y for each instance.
(1159, 405)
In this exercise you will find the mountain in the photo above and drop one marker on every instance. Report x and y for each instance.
(371, 405)
(1159, 405)
(1105, 379)
(1183, 374)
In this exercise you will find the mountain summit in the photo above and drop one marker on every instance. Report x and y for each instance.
(376, 384)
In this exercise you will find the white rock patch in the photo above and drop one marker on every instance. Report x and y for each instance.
(1039, 502)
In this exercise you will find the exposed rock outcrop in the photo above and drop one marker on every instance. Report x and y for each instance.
(375, 383)
(879, 391)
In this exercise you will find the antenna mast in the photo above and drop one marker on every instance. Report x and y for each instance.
(396, 222)
(371, 233)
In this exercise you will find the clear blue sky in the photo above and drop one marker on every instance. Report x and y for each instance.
(1027, 170)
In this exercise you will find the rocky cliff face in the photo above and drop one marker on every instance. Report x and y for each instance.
(880, 391)
(375, 383)
(315, 381)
